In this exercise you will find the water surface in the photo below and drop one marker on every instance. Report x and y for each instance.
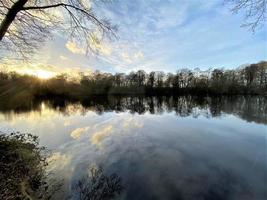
(160, 147)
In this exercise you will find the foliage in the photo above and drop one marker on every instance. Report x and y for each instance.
(22, 168)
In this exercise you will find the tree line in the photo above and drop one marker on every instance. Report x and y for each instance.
(251, 79)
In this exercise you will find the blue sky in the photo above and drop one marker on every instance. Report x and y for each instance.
(164, 35)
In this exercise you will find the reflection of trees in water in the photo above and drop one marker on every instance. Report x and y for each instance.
(98, 186)
(250, 108)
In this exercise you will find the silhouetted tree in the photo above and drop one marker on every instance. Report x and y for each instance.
(151, 79)
(25, 24)
(141, 77)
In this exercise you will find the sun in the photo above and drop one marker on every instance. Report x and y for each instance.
(40, 73)
(43, 74)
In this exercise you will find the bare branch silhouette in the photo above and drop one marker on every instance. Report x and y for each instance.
(98, 186)
(254, 11)
(26, 24)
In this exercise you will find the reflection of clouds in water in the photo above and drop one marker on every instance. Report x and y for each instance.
(175, 173)
(78, 132)
(132, 123)
(99, 136)
(58, 161)
(60, 167)
(67, 123)
(118, 126)
(101, 131)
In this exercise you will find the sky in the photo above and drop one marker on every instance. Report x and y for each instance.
(160, 35)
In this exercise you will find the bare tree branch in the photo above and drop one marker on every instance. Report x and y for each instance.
(254, 12)
(26, 24)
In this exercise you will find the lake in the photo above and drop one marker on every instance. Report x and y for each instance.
(161, 147)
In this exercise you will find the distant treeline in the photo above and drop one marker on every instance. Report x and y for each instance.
(251, 79)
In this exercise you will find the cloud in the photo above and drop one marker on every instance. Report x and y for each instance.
(104, 49)
(87, 4)
(63, 57)
(36, 69)
(125, 56)
(139, 55)
(171, 35)
(74, 48)
(163, 35)
(101, 47)
(77, 133)
(42, 70)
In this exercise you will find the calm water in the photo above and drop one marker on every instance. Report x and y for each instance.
(161, 148)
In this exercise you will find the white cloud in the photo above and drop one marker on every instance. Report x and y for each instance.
(75, 48)
(87, 4)
(125, 56)
(164, 35)
(63, 57)
(139, 55)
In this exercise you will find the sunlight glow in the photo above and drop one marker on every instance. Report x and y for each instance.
(40, 73)
(43, 74)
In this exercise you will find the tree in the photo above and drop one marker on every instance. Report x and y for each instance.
(176, 80)
(254, 11)
(141, 77)
(262, 67)
(151, 79)
(159, 78)
(169, 80)
(118, 79)
(26, 24)
(250, 74)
